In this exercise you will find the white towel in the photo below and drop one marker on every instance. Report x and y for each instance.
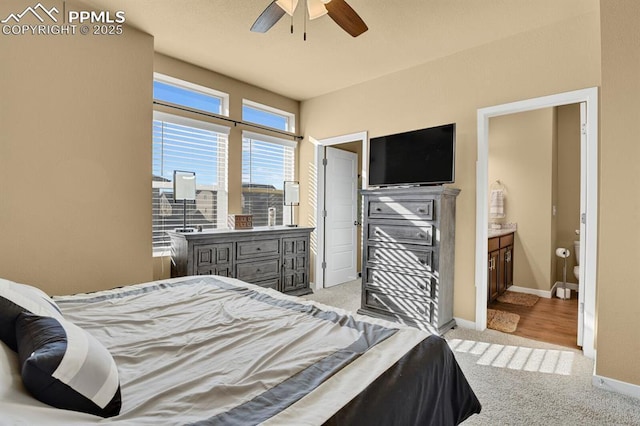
(496, 207)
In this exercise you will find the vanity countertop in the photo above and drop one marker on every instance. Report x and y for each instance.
(501, 232)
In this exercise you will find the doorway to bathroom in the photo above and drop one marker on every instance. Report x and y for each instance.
(531, 205)
(534, 165)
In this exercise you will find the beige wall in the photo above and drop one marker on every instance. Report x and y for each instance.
(567, 185)
(618, 237)
(557, 58)
(75, 159)
(521, 157)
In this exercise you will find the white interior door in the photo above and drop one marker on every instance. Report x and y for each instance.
(340, 227)
(583, 210)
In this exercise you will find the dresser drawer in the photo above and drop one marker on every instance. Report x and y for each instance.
(273, 283)
(212, 254)
(419, 259)
(293, 246)
(261, 270)
(401, 282)
(222, 270)
(403, 209)
(418, 234)
(421, 309)
(251, 249)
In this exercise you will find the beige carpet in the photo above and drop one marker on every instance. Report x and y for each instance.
(513, 395)
(514, 392)
(502, 321)
(514, 298)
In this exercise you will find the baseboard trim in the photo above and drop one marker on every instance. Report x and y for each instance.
(535, 291)
(463, 323)
(558, 284)
(616, 386)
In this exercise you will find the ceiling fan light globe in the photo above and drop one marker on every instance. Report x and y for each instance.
(316, 9)
(289, 6)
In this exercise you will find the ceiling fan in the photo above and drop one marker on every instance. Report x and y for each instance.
(338, 10)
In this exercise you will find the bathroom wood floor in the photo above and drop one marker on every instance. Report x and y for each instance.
(549, 320)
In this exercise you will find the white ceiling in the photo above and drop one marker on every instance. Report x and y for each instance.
(215, 34)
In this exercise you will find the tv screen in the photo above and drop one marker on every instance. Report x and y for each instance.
(418, 157)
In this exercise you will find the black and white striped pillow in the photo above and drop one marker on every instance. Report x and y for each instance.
(17, 298)
(64, 366)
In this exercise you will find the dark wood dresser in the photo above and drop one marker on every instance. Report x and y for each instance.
(408, 255)
(275, 257)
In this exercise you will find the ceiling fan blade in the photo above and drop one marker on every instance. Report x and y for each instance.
(289, 6)
(316, 9)
(268, 18)
(346, 17)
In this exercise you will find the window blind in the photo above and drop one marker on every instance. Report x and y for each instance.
(195, 146)
(266, 163)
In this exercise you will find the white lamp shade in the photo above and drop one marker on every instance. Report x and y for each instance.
(184, 185)
(288, 6)
(291, 193)
(316, 9)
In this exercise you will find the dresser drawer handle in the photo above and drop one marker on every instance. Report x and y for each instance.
(378, 209)
(421, 235)
(258, 270)
(258, 248)
(421, 210)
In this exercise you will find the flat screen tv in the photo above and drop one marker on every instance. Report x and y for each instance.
(418, 157)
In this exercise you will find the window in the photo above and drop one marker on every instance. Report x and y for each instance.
(189, 145)
(186, 144)
(266, 163)
(254, 112)
(193, 96)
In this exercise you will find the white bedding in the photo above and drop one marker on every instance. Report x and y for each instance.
(216, 347)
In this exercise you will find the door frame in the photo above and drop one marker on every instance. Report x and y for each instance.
(588, 242)
(320, 190)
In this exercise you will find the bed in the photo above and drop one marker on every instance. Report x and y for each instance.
(209, 350)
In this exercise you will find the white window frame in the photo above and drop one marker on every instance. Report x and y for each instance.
(291, 118)
(222, 189)
(224, 97)
(247, 134)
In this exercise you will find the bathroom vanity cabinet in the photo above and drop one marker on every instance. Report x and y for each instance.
(500, 267)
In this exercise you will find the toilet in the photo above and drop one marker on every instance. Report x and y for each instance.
(576, 251)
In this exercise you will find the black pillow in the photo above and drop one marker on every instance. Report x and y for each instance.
(17, 298)
(64, 366)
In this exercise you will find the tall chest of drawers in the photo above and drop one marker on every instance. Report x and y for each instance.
(408, 255)
(275, 257)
